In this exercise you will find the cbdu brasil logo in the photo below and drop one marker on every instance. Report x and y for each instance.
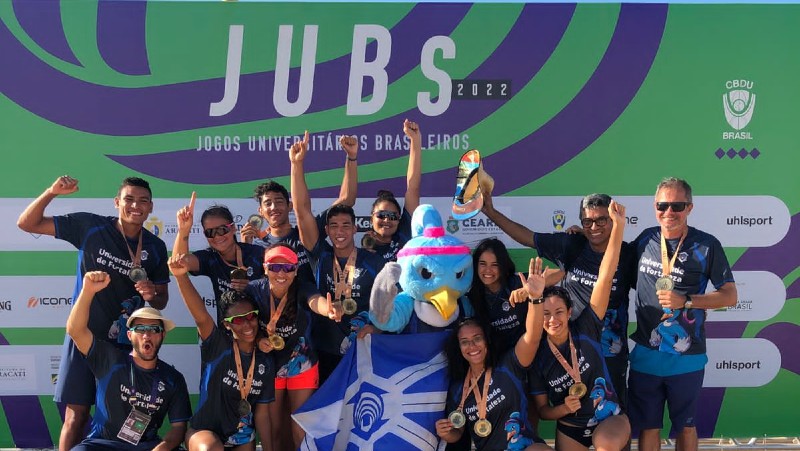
(738, 103)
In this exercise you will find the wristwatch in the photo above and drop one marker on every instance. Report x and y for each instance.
(538, 300)
(688, 303)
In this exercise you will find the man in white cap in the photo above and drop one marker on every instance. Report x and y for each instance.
(135, 390)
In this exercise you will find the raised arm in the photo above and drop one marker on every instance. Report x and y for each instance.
(516, 231)
(528, 343)
(608, 266)
(414, 173)
(306, 222)
(349, 189)
(33, 220)
(185, 218)
(192, 299)
(78, 320)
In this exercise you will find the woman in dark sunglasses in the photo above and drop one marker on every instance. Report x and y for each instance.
(238, 380)
(287, 303)
(391, 225)
(229, 264)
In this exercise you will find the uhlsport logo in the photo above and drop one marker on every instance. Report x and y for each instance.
(559, 219)
(154, 225)
(738, 103)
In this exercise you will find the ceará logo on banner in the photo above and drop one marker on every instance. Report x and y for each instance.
(738, 103)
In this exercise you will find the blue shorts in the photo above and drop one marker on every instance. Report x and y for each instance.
(101, 444)
(648, 393)
(75, 383)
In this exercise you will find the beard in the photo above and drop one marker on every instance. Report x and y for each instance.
(142, 354)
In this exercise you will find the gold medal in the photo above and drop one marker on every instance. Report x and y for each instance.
(276, 341)
(664, 284)
(244, 408)
(256, 221)
(137, 274)
(578, 389)
(367, 242)
(483, 428)
(457, 418)
(238, 273)
(349, 306)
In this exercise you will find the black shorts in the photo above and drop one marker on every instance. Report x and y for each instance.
(581, 434)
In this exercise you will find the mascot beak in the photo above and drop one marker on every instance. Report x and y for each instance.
(444, 299)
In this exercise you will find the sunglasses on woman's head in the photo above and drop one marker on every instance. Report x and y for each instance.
(387, 215)
(218, 231)
(281, 267)
(241, 319)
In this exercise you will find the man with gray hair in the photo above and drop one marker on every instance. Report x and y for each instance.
(579, 257)
(676, 262)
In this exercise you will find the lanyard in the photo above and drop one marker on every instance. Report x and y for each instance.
(573, 371)
(668, 264)
(136, 259)
(341, 286)
(276, 312)
(244, 384)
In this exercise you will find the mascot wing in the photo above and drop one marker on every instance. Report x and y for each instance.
(389, 310)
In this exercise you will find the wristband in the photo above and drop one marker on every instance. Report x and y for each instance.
(688, 304)
(538, 300)
(352, 159)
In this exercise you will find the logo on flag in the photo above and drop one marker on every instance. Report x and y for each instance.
(387, 393)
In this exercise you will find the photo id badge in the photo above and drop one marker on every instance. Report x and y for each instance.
(134, 427)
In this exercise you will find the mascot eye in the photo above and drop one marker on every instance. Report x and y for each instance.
(426, 274)
(459, 274)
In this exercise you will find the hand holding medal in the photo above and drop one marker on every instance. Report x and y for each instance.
(334, 309)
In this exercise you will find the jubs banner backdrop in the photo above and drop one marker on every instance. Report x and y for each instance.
(561, 99)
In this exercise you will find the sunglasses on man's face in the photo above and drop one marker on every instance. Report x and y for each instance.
(587, 222)
(387, 215)
(218, 231)
(147, 328)
(281, 267)
(677, 207)
(241, 319)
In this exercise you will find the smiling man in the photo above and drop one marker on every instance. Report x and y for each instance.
(134, 258)
(579, 256)
(135, 390)
(676, 262)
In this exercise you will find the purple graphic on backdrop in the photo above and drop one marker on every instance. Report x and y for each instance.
(42, 22)
(35, 85)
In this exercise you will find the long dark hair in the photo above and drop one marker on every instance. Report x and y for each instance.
(456, 364)
(476, 294)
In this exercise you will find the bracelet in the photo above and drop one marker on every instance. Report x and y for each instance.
(538, 300)
(351, 159)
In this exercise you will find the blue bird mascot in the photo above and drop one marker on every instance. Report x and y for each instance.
(424, 290)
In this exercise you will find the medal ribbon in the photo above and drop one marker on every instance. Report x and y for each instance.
(668, 264)
(276, 312)
(244, 385)
(342, 287)
(573, 371)
(136, 259)
(481, 400)
(469, 384)
(238, 258)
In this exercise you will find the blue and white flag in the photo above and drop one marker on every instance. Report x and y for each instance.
(386, 394)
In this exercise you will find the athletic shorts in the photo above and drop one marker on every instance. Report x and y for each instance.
(308, 379)
(581, 434)
(648, 393)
